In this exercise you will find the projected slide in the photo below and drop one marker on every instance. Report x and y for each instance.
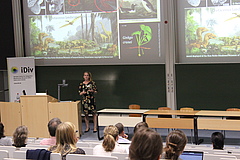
(104, 31)
(213, 31)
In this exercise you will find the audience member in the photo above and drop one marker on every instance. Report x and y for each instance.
(140, 125)
(217, 139)
(66, 140)
(52, 126)
(146, 145)
(20, 136)
(4, 141)
(175, 144)
(122, 138)
(109, 144)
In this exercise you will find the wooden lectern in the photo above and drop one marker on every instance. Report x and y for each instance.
(35, 114)
(37, 110)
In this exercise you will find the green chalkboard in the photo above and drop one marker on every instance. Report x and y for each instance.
(118, 86)
(208, 86)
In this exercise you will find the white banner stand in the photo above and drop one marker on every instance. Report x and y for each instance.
(21, 77)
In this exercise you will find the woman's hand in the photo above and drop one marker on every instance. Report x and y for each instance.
(83, 92)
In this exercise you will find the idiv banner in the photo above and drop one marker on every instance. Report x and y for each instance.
(21, 77)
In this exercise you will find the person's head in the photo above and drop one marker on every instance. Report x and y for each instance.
(52, 126)
(110, 137)
(20, 136)
(217, 139)
(175, 144)
(146, 145)
(66, 134)
(140, 125)
(1, 130)
(87, 76)
(120, 128)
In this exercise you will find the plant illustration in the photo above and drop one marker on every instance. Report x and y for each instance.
(142, 37)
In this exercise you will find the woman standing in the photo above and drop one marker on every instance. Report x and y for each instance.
(87, 89)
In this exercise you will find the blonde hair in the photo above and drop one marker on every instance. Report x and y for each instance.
(90, 75)
(20, 136)
(110, 137)
(66, 138)
(175, 144)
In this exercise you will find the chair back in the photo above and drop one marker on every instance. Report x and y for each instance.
(186, 109)
(233, 109)
(82, 144)
(89, 157)
(164, 108)
(164, 116)
(55, 156)
(38, 146)
(10, 150)
(19, 154)
(217, 157)
(88, 150)
(134, 106)
(121, 156)
(3, 154)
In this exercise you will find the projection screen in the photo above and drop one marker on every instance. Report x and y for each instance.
(208, 31)
(93, 32)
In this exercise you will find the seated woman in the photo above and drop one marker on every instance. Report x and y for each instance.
(66, 140)
(146, 145)
(20, 136)
(217, 139)
(109, 144)
(175, 144)
(4, 141)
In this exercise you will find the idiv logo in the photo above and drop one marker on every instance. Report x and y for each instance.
(14, 69)
(26, 70)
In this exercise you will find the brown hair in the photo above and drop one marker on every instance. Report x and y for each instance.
(110, 137)
(20, 136)
(140, 125)
(175, 144)
(66, 138)
(146, 145)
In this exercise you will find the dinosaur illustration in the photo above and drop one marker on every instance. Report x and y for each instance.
(70, 22)
(199, 33)
(46, 42)
(40, 38)
(103, 37)
(108, 33)
(206, 39)
(237, 16)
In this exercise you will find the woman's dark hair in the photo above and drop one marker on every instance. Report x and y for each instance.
(217, 139)
(146, 145)
(140, 125)
(1, 130)
(175, 144)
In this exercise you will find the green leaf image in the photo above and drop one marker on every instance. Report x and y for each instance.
(143, 36)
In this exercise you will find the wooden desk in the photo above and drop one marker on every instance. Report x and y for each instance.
(180, 123)
(113, 116)
(10, 116)
(218, 124)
